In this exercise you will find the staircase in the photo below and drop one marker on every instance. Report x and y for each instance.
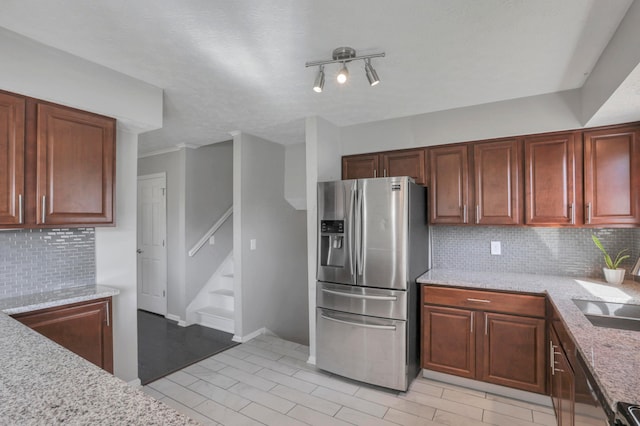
(213, 307)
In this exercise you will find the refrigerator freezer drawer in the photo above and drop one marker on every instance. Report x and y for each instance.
(371, 350)
(362, 300)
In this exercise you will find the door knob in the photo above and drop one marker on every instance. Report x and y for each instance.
(139, 251)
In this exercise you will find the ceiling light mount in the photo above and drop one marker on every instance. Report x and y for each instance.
(343, 55)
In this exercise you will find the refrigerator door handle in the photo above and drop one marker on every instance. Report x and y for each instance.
(357, 324)
(351, 231)
(360, 296)
(360, 241)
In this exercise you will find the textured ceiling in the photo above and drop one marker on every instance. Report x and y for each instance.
(239, 65)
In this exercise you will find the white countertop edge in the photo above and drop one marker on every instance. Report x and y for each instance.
(100, 292)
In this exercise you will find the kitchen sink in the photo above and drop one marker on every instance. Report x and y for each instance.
(623, 316)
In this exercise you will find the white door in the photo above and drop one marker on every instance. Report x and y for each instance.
(152, 247)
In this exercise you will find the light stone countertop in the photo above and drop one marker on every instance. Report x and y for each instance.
(612, 355)
(49, 299)
(42, 383)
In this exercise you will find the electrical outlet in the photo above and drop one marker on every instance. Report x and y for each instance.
(496, 249)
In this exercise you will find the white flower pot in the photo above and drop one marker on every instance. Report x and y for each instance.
(614, 276)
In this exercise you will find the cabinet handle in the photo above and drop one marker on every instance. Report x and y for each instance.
(477, 213)
(375, 173)
(473, 314)
(384, 172)
(552, 358)
(559, 370)
(589, 213)
(486, 324)
(44, 206)
(464, 214)
(108, 319)
(469, 299)
(20, 209)
(572, 213)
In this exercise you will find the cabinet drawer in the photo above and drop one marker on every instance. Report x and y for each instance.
(519, 304)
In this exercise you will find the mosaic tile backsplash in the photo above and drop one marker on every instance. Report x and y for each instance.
(551, 251)
(39, 260)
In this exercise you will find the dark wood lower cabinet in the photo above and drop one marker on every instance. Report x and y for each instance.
(84, 328)
(514, 352)
(448, 341)
(562, 383)
(505, 348)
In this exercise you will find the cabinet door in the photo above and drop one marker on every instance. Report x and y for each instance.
(360, 166)
(550, 180)
(497, 173)
(448, 340)
(12, 116)
(612, 177)
(405, 163)
(75, 167)
(449, 185)
(84, 329)
(562, 383)
(514, 352)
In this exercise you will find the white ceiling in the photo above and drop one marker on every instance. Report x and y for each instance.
(239, 65)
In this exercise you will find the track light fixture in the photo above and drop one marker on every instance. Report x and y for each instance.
(318, 85)
(342, 55)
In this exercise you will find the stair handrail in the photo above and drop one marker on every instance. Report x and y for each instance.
(202, 241)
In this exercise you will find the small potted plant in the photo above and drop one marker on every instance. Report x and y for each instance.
(612, 274)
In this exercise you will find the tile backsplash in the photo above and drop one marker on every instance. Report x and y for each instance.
(552, 251)
(39, 260)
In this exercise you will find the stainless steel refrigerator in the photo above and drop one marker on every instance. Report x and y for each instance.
(373, 242)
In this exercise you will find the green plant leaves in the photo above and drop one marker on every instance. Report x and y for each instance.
(611, 264)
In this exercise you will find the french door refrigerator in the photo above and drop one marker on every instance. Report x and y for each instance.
(373, 242)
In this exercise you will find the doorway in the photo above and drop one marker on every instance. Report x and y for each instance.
(152, 247)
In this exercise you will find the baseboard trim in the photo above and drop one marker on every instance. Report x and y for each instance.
(531, 397)
(311, 360)
(136, 383)
(246, 338)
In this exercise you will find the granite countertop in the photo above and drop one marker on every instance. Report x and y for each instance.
(49, 299)
(612, 355)
(43, 383)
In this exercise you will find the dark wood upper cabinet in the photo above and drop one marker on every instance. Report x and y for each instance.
(612, 176)
(360, 166)
(408, 162)
(449, 191)
(551, 180)
(57, 165)
(497, 180)
(12, 143)
(84, 328)
(75, 166)
(405, 163)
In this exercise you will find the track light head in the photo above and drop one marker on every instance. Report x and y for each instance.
(343, 74)
(372, 75)
(318, 85)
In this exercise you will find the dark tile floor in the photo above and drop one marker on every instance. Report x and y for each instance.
(164, 347)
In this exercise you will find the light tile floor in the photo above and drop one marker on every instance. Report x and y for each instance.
(267, 382)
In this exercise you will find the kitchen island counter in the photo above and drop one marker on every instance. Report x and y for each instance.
(611, 354)
(43, 383)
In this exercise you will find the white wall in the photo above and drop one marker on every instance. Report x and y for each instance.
(617, 62)
(116, 259)
(295, 189)
(272, 278)
(535, 114)
(36, 70)
(323, 164)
